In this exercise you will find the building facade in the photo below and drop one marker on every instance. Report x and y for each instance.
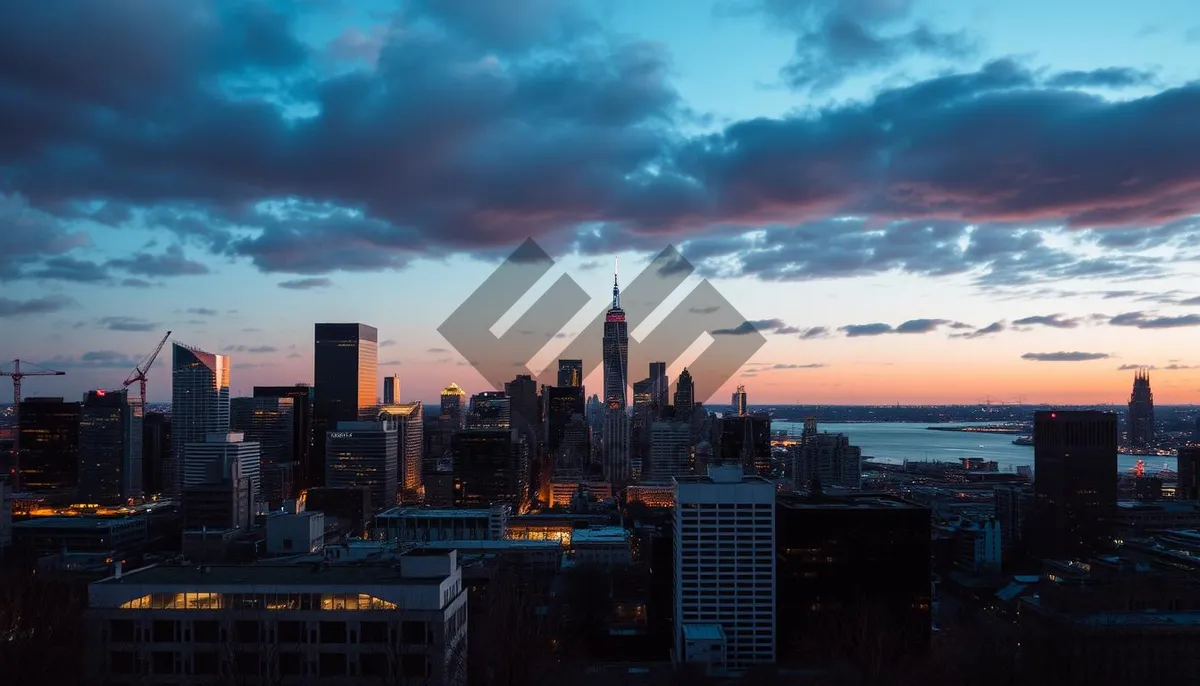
(365, 455)
(670, 449)
(49, 459)
(828, 458)
(1140, 421)
(615, 455)
(199, 405)
(271, 423)
(616, 351)
(685, 396)
(1075, 492)
(110, 447)
(210, 462)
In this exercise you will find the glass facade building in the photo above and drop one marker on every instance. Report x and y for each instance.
(49, 458)
(271, 423)
(110, 447)
(199, 405)
(364, 455)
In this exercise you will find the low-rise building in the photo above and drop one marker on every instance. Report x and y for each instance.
(318, 624)
(415, 524)
(607, 546)
(45, 535)
(292, 533)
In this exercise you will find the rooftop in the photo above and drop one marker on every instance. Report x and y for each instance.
(862, 501)
(76, 522)
(435, 513)
(601, 534)
(351, 575)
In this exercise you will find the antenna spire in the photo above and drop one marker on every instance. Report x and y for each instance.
(616, 288)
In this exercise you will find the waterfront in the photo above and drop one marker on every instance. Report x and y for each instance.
(895, 442)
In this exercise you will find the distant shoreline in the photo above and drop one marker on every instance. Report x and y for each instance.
(1004, 430)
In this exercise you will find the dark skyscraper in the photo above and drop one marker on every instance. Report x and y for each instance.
(309, 465)
(616, 352)
(345, 372)
(346, 384)
(271, 423)
(738, 402)
(570, 373)
(110, 447)
(49, 445)
(1141, 413)
(391, 390)
(1075, 484)
(1189, 473)
(659, 384)
(156, 450)
(685, 396)
(746, 440)
(562, 403)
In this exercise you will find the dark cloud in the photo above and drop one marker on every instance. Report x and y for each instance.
(1065, 357)
(96, 359)
(912, 326)
(437, 351)
(203, 311)
(69, 269)
(304, 284)
(814, 332)
(387, 344)
(136, 283)
(169, 263)
(43, 305)
(1055, 321)
(391, 363)
(758, 325)
(474, 127)
(1190, 301)
(1135, 367)
(837, 39)
(1109, 77)
(798, 366)
(1149, 320)
(704, 310)
(123, 323)
(990, 329)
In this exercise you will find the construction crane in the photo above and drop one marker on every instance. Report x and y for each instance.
(139, 372)
(17, 374)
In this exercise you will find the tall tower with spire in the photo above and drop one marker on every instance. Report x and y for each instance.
(616, 350)
(1140, 429)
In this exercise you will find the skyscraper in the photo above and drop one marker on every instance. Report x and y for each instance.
(49, 445)
(570, 373)
(1141, 412)
(738, 403)
(659, 385)
(365, 455)
(745, 440)
(391, 389)
(199, 405)
(1188, 467)
(110, 447)
(616, 351)
(614, 445)
(1075, 489)
(345, 372)
(725, 523)
(490, 410)
(670, 447)
(271, 423)
(826, 457)
(309, 465)
(410, 428)
(685, 396)
(156, 450)
(223, 456)
(562, 403)
(454, 406)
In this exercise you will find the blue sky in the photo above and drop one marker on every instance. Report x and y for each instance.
(1015, 181)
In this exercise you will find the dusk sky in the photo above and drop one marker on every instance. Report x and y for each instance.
(916, 201)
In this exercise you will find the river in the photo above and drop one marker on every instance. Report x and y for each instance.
(898, 441)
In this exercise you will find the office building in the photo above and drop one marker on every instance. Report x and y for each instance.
(49, 459)
(562, 404)
(309, 466)
(346, 372)
(199, 404)
(738, 402)
(1188, 469)
(614, 446)
(365, 455)
(410, 428)
(156, 450)
(660, 385)
(570, 373)
(745, 440)
(454, 407)
(490, 467)
(1075, 489)
(209, 462)
(670, 449)
(223, 503)
(826, 457)
(724, 567)
(490, 410)
(271, 423)
(616, 351)
(853, 575)
(1140, 428)
(685, 396)
(110, 447)
(526, 414)
(336, 624)
(391, 390)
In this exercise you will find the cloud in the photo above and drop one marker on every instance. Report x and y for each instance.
(69, 269)
(814, 332)
(203, 311)
(709, 309)
(136, 283)
(1149, 320)
(1065, 357)
(1108, 77)
(253, 350)
(96, 359)
(44, 305)
(1055, 321)
(169, 263)
(912, 326)
(391, 363)
(836, 40)
(467, 129)
(437, 351)
(799, 366)
(1173, 367)
(305, 284)
(123, 323)
(990, 329)
(756, 326)
(387, 344)
(1134, 367)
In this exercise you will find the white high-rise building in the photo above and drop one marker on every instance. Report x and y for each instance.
(199, 405)
(210, 462)
(725, 566)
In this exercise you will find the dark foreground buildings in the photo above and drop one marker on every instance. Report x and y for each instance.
(1075, 492)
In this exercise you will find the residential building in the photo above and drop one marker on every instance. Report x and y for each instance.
(829, 458)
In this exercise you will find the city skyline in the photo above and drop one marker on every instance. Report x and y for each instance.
(993, 212)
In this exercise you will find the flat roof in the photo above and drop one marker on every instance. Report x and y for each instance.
(746, 479)
(847, 501)
(79, 522)
(436, 513)
(703, 632)
(1159, 506)
(265, 575)
(600, 534)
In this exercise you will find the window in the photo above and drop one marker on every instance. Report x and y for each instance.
(414, 666)
(374, 632)
(414, 633)
(291, 632)
(122, 630)
(208, 631)
(163, 662)
(204, 664)
(164, 632)
(373, 665)
(333, 632)
(332, 664)
(246, 631)
(122, 662)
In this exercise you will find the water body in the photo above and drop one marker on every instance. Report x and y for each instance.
(896, 442)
